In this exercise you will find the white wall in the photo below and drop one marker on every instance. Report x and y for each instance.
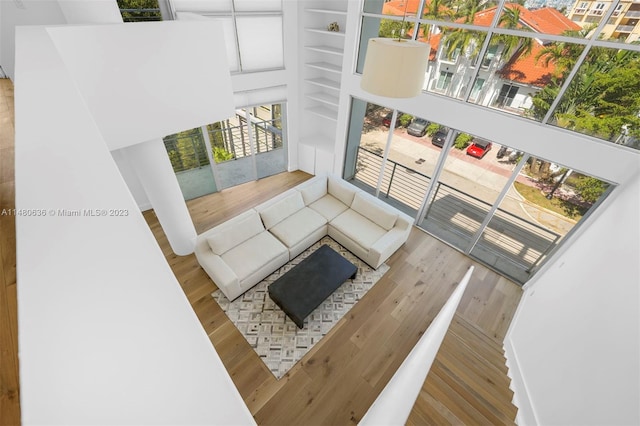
(94, 11)
(52, 12)
(106, 334)
(33, 12)
(574, 342)
(145, 91)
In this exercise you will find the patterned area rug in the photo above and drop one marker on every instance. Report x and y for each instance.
(272, 334)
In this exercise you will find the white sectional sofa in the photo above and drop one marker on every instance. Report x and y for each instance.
(242, 251)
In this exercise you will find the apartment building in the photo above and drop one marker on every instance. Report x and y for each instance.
(622, 24)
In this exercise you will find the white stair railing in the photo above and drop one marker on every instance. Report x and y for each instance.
(394, 404)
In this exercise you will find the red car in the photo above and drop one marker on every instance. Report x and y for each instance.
(386, 121)
(479, 148)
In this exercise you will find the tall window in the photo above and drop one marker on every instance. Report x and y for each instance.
(477, 86)
(526, 55)
(253, 30)
(444, 80)
(499, 205)
(506, 95)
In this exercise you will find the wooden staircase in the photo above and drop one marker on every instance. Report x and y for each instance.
(467, 383)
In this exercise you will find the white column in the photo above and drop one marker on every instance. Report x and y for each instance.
(152, 165)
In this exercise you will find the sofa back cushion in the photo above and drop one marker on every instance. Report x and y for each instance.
(373, 210)
(281, 209)
(341, 189)
(315, 189)
(235, 231)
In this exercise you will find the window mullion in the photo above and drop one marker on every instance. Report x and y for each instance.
(578, 63)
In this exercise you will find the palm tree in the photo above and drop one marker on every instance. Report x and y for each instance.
(510, 19)
(463, 41)
(561, 54)
(467, 11)
(436, 10)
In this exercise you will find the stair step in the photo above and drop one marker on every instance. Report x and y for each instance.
(468, 381)
(490, 360)
(430, 411)
(498, 395)
(472, 333)
(497, 410)
(463, 408)
(481, 376)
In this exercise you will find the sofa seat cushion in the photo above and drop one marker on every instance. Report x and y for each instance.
(234, 231)
(329, 207)
(358, 228)
(298, 226)
(251, 255)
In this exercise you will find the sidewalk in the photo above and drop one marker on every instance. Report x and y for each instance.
(483, 178)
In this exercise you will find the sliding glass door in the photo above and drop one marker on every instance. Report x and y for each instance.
(249, 145)
(500, 206)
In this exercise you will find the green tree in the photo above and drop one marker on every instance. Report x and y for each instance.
(462, 41)
(433, 128)
(603, 97)
(510, 19)
(435, 9)
(405, 119)
(468, 9)
(220, 155)
(590, 188)
(462, 140)
(139, 10)
(390, 28)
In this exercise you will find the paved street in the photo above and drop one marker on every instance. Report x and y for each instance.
(483, 178)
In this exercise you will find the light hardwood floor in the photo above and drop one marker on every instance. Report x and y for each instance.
(9, 384)
(336, 382)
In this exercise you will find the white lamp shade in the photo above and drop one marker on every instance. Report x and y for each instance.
(394, 68)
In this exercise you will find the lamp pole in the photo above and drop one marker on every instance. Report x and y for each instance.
(558, 183)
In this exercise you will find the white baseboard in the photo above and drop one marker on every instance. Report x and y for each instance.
(526, 414)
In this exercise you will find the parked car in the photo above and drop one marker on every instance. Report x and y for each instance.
(386, 121)
(439, 137)
(479, 148)
(418, 127)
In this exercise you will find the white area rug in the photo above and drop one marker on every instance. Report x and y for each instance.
(272, 334)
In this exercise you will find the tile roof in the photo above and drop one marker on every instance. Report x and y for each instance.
(524, 68)
(520, 68)
(397, 7)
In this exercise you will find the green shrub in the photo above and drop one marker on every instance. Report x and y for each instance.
(221, 155)
(590, 188)
(462, 141)
(433, 128)
(405, 119)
